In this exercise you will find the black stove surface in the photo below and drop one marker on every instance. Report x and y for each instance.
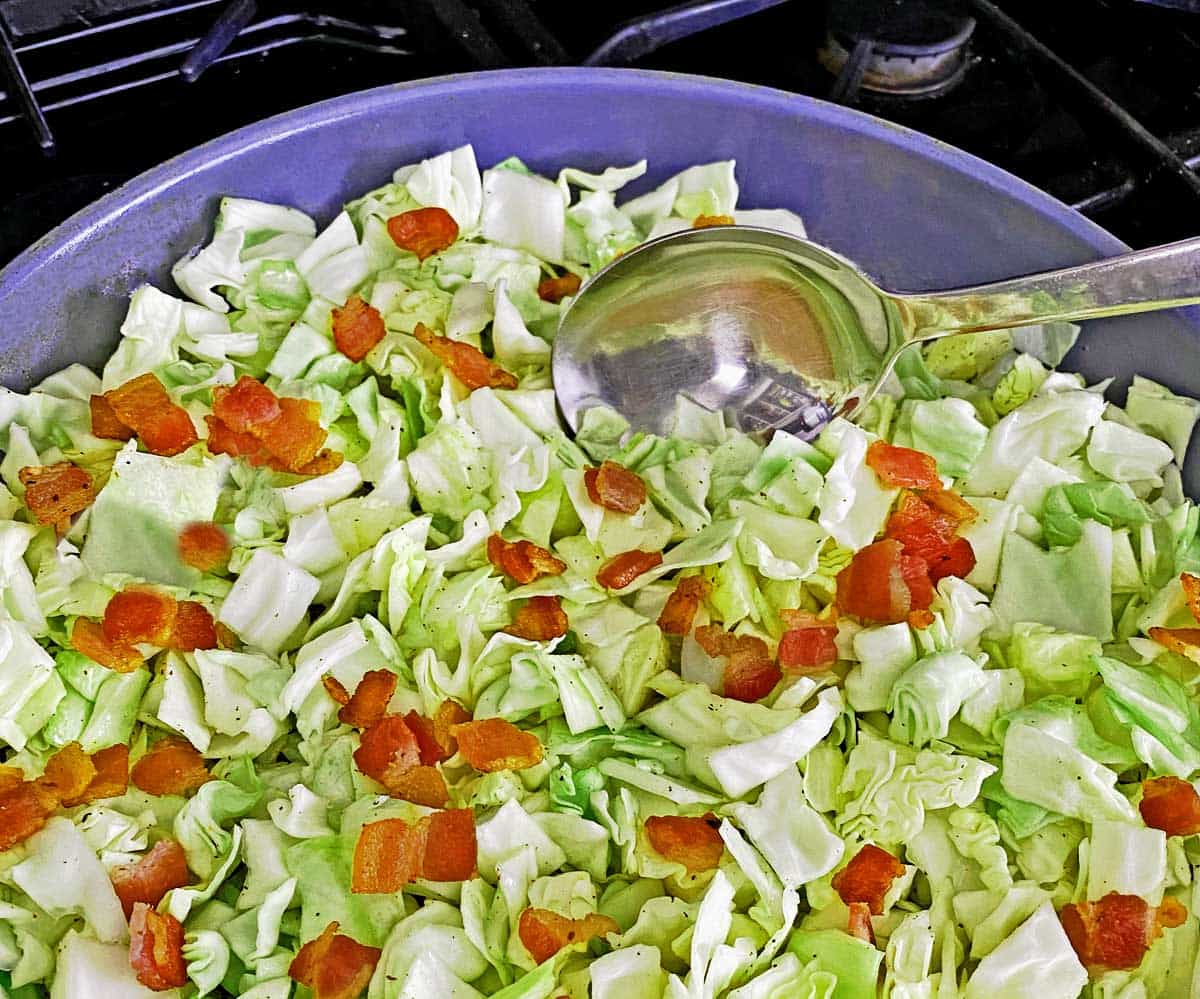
(1097, 101)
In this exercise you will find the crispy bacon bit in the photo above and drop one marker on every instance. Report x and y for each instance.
(1182, 641)
(708, 221)
(387, 750)
(902, 467)
(334, 966)
(203, 545)
(68, 774)
(55, 493)
(691, 841)
(448, 714)
(423, 231)
(296, 436)
(87, 636)
(325, 462)
(105, 422)
(194, 628)
(523, 560)
(615, 487)
(750, 672)
(811, 648)
(10, 777)
(555, 289)
(24, 809)
(226, 637)
(679, 612)
(143, 405)
(451, 853)
(421, 785)
(246, 406)
(920, 619)
(493, 744)
(926, 525)
(152, 876)
(915, 572)
(392, 853)
(156, 949)
(1191, 592)
(948, 502)
(388, 856)
(112, 775)
(370, 700)
(335, 689)
(467, 363)
(425, 731)
(544, 932)
(223, 439)
(1116, 931)
(868, 877)
(172, 766)
(540, 620)
(859, 924)
(357, 327)
(1170, 804)
(872, 586)
(140, 614)
(621, 570)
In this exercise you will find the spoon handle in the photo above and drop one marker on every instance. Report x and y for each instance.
(1157, 278)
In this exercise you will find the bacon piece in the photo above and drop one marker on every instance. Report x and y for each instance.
(679, 612)
(451, 852)
(544, 932)
(750, 673)
(621, 570)
(467, 363)
(427, 743)
(325, 462)
(68, 774)
(615, 487)
(388, 856)
(555, 289)
(296, 436)
(24, 809)
(872, 586)
(923, 529)
(112, 775)
(203, 545)
(915, 572)
(223, 439)
(1191, 592)
(811, 648)
(868, 877)
(448, 714)
(920, 619)
(1183, 641)
(156, 949)
(140, 614)
(335, 689)
(246, 406)
(708, 221)
(689, 840)
(88, 637)
(194, 628)
(859, 924)
(143, 405)
(153, 875)
(902, 467)
(370, 700)
(948, 502)
(958, 559)
(392, 853)
(172, 766)
(493, 744)
(334, 966)
(1115, 931)
(10, 777)
(421, 785)
(1170, 804)
(540, 620)
(105, 422)
(357, 327)
(523, 560)
(423, 231)
(387, 750)
(55, 493)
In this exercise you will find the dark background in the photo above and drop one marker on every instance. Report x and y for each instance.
(1097, 101)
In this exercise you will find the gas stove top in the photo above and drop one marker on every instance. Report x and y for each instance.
(1097, 101)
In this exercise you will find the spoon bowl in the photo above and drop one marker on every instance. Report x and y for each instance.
(777, 332)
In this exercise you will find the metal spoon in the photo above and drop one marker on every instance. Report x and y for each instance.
(777, 332)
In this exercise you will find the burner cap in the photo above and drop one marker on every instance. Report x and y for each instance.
(904, 48)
